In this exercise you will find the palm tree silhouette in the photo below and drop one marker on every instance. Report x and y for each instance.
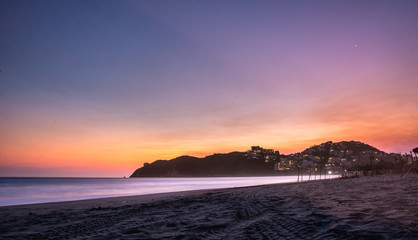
(415, 150)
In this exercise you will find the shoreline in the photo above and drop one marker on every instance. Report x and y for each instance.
(143, 198)
(382, 207)
(23, 191)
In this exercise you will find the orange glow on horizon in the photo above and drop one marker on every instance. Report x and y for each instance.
(111, 148)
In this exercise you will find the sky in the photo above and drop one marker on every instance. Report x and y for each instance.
(97, 88)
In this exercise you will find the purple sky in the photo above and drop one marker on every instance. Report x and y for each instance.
(119, 83)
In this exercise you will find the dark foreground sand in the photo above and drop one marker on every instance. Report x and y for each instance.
(383, 207)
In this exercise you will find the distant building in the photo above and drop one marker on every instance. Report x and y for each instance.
(283, 164)
(268, 155)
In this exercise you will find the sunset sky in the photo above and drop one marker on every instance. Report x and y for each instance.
(97, 88)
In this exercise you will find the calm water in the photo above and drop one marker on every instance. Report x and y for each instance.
(15, 191)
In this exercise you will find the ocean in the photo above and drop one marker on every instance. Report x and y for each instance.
(15, 191)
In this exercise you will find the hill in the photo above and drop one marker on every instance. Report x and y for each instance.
(333, 148)
(230, 164)
(262, 162)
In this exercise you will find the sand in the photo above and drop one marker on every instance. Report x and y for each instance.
(382, 207)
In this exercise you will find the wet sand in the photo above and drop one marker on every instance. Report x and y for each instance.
(382, 207)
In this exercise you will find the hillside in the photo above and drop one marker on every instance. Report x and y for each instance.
(230, 164)
(353, 147)
(259, 161)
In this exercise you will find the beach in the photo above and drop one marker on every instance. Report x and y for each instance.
(380, 207)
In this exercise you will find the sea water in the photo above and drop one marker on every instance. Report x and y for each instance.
(14, 191)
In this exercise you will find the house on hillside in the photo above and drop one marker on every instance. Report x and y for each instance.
(283, 164)
(268, 155)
